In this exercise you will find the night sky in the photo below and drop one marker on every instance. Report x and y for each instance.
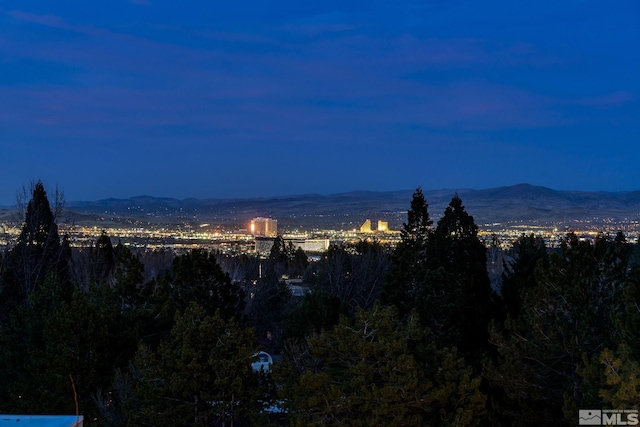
(215, 99)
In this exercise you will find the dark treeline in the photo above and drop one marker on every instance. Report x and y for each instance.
(423, 334)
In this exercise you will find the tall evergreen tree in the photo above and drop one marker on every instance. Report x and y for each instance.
(102, 260)
(620, 361)
(64, 338)
(409, 257)
(37, 251)
(457, 301)
(548, 355)
(519, 273)
(128, 275)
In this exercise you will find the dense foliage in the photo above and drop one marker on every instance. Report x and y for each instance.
(417, 335)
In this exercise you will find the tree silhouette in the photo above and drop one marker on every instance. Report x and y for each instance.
(519, 274)
(363, 372)
(549, 355)
(37, 251)
(200, 375)
(354, 273)
(198, 278)
(409, 257)
(456, 301)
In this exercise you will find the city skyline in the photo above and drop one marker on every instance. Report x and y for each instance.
(248, 99)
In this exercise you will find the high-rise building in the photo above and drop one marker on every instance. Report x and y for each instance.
(383, 227)
(366, 227)
(264, 227)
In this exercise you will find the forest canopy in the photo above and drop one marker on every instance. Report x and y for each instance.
(417, 334)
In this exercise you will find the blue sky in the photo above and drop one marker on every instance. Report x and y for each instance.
(242, 99)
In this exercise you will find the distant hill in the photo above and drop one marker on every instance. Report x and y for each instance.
(506, 205)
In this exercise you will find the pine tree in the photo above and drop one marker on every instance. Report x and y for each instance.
(621, 389)
(66, 337)
(128, 276)
(457, 301)
(200, 375)
(37, 251)
(409, 257)
(519, 274)
(620, 361)
(102, 260)
(363, 372)
(548, 354)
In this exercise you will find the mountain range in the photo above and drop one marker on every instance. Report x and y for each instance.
(522, 203)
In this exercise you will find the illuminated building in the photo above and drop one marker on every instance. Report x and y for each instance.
(264, 227)
(366, 227)
(315, 245)
(383, 227)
